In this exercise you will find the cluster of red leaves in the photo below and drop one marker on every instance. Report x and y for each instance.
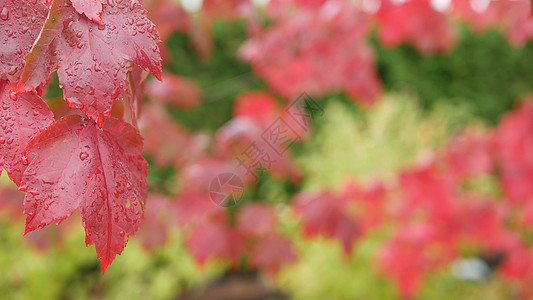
(415, 22)
(252, 237)
(211, 233)
(309, 37)
(435, 211)
(440, 211)
(301, 46)
(432, 208)
(86, 160)
(513, 18)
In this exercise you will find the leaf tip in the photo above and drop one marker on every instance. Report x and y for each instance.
(104, 267)
(97, 20)
(27, 230)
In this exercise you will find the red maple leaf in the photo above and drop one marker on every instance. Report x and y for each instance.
(370, 204)
(302, 45)
(156, 222)
(327, 214)
(415, 22)
(469, 154)
(271, 253)
(411, 254)
(21, 22)
(74, 164)
(22, 117)
(192, 206)
(169, 16)
(429, 191)
(256, 219)
(90, 58)
(514, 144)
(166, 142)
(214, 239)
(176, 91)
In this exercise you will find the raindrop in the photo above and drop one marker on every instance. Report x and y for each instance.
(122, 233)
(13, 70)
(4, 13)
(84, 155)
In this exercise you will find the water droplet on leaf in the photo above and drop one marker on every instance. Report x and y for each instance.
(4, 13)
(84, 155)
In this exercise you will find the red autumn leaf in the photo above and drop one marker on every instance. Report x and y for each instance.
(176, 91)
(22, 117)
(74, 164)
(514, 143)
(469, 154)
(236, 135)
(244, 135)
(21, 22)
(214, 239)
(409, 256)
(166, 142)
(91, 8)
(90, 58)
(327, 214)
(201, 38)
(415, 22)
(302, 45)
(156, 222)
(517, 266)
(225, 9)
(481, 222)
(370, 204)
(271, 253)
(168, 16)
(193, 206)
(256, 219)
(428, 191)
(199, 175)
(260, 107)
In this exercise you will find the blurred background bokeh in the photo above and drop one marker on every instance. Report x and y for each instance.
(414, 179)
